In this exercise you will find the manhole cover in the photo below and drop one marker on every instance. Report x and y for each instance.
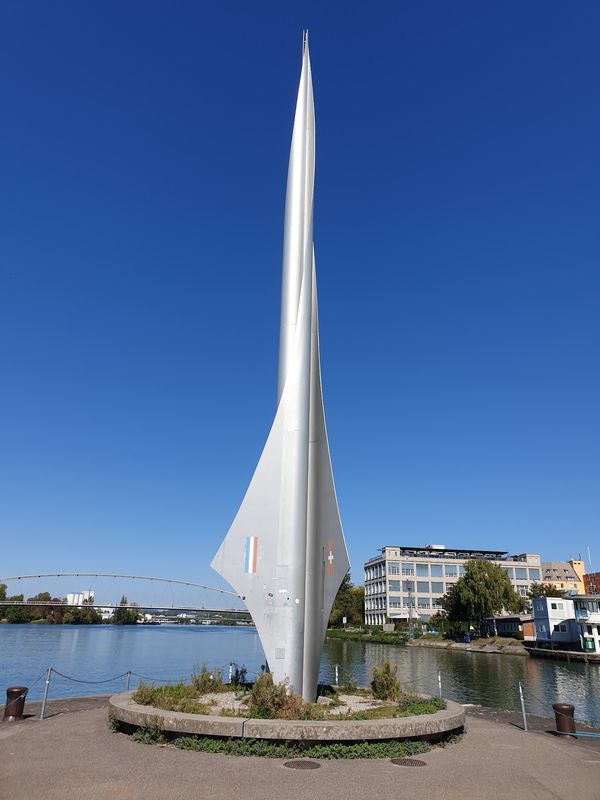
(301, 764)
(408, 762)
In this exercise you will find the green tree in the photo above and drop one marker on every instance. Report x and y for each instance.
(543, 590)
(124, 616)
(3, 588)
(349, 602)
(42, 597)
(484, 590)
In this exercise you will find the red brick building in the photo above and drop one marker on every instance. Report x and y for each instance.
(591, 581)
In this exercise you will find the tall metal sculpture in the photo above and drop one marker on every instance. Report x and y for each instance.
(285, 552)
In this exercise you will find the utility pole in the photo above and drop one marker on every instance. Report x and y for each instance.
(411, 635)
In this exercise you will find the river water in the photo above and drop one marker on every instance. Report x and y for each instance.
(97, 653)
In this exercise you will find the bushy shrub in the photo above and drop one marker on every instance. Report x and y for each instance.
(385, 685)
(269, 700)
(144, 694)
(204, 681)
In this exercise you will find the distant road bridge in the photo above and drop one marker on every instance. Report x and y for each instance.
(207, 611)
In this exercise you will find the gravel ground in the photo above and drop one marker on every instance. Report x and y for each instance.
(230, 701)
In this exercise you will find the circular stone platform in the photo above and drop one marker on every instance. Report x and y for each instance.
(422, 726)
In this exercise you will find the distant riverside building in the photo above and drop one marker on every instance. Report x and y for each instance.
(80, 598)
(591, 581)
(565, 575)
(410, 581)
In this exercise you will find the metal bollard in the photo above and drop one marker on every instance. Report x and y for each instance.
(565, 717)
(128, 681)
(440, 684)
(15, 703)
(337, 674)
(46, 687)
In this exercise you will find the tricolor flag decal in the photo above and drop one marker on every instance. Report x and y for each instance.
(329, 558)
(251, 554)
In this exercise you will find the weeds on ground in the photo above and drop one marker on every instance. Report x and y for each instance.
(205, 682)
(331, 750)
(151, 733)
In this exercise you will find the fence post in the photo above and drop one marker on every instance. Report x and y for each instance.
(128, 680)
(43, 709)
(522, 706)
(337, 674)
(439, 683)
(230, 672)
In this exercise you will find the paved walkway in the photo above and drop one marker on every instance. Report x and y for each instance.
(70, 756)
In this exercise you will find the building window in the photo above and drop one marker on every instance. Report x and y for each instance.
(393, 568)
(451, 571)
(436, 570)
(437, 587)
(423, 602)
(510, 572)
(422, 570)
(395, 602)
(534, 574)
(408, 586)
(422, 586)
(520, 574)
(394, 586)
(553, 606)
(408, 568)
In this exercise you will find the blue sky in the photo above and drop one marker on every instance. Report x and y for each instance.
(143, 158)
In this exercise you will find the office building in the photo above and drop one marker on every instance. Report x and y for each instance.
(408, 582)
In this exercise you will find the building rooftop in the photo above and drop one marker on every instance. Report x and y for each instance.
(440, 551)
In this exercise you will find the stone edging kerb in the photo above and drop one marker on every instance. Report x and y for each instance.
(422, 726)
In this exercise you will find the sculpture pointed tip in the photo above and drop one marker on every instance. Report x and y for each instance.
(305, 41)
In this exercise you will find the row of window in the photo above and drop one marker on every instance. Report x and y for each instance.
(378, 603)
(437, 587)
(443, 570)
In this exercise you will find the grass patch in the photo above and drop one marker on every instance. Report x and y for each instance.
(330, 750)
(180, 697)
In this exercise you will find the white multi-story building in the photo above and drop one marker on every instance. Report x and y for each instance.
(587, 615)
(406, 582)
(80, 598)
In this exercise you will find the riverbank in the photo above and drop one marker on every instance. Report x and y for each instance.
(360, 635)
(72, 755)
(495, 644)
(564, 655)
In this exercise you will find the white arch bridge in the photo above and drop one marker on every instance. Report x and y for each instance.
(190, 597)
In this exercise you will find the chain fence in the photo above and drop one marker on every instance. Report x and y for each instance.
(342, 676)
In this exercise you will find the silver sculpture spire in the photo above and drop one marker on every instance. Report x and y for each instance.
(285, 553)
